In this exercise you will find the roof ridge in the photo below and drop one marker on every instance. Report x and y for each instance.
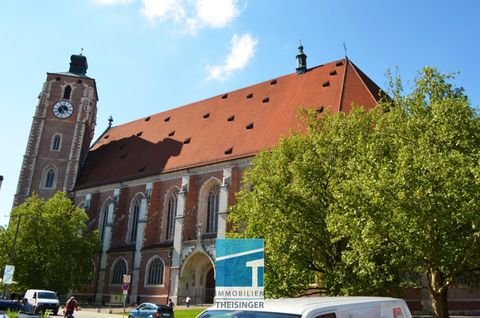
(344, 80)
(364, 79)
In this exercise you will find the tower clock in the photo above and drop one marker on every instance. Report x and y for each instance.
(61, 132)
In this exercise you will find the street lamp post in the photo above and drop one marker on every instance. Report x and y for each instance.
(1, 180)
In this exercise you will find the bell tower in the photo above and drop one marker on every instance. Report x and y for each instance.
(61, 132)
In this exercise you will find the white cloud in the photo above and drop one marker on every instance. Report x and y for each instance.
(241, 53)
(163, 10)
(191, 15)
(217, 13)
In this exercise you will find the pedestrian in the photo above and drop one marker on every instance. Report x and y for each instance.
(187, 301)
(26, 306)
(70, 307)
(170, 303)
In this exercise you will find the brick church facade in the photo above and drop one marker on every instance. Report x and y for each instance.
(158, 188)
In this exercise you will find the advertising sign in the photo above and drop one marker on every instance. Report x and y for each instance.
(8, 274)
(239, 268)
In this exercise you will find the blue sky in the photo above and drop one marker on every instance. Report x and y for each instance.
(151, 55)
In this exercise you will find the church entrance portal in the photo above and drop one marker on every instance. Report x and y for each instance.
(197, 280)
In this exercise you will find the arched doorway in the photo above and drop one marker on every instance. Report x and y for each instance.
(197, 279)
(210, 287)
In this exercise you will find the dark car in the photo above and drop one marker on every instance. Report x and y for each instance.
(8, 306)
(151, 310)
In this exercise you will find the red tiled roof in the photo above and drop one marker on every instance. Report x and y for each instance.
(229, 126)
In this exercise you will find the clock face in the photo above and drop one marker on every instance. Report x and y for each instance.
(63, 109)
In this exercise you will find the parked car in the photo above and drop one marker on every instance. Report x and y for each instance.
(8, 306)
(42, 300)
(151, 310)
(311, 307)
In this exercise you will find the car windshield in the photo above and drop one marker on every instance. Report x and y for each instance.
(47, 295)
(244, 314)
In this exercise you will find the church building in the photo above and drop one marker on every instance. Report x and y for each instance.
(158, 188)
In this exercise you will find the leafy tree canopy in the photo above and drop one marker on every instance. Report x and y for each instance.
(366, 202)
(51, 247)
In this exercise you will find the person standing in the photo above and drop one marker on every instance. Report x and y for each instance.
(187, 301)
(70, 307)
(170, 303)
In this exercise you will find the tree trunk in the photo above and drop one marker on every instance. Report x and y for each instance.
(438, 290)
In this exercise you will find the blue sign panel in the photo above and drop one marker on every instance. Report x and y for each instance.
(239, 268)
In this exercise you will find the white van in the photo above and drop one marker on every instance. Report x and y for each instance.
(315, 307)
(42, 300)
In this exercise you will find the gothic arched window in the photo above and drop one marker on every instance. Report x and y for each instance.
(67, 92)
(155, 272)
(56, 142)
(119, 269)
(104, 220)
(134, 214)
(171, 213)
(49, 179)
(212, 209)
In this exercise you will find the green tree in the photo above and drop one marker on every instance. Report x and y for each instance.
(53, 249)
(414, 188)
(373, 200)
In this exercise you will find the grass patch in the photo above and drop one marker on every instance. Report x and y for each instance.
(188, 313)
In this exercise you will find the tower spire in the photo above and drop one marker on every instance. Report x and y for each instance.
(301, 60)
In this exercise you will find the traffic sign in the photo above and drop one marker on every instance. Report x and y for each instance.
(125, 286)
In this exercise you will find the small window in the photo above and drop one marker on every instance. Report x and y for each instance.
(273, 82)
(187, 140)
(228, 151)
(139, 134)
(339, 63)
(67, 92)
(231, 118)
(326, 84)
(266, 100)
(171, 133)
(167, 119)
(206, 115)
(249, 126)
(56, 142)
(49, 179)
(106, 136)
(334, 72)
(225, 96)
(249, 96)
(147, 119)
